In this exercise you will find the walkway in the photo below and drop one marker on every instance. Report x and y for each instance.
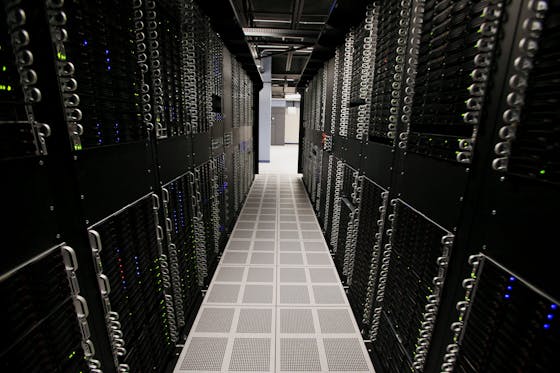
(283, 160)
(276, 303)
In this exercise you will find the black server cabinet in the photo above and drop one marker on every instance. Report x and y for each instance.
(460, 158)
(99, 145)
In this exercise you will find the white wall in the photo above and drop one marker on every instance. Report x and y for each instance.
(292, 125)
(265, 96)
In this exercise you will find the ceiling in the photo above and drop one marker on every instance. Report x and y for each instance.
(286, 30)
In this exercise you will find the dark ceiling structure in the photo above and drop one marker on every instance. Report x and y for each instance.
(285, 30)
(299, 35)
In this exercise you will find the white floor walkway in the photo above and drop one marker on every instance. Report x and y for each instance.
(276, 303)
(283, 160)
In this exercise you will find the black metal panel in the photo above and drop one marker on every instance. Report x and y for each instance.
(201, 148)
(416, 255)
(522, 214)
(28, 222)
(181, 235)
(40, 330)
(112, 177)
(217, 138)
(321, 214)
(368, 250)
(227, 98)
(350, 150)
(435, 187)
(127, 254)
(108, 76)
(508, 326)
(174, 157)
(377, 162)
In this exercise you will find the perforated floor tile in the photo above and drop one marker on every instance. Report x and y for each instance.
(328, 294)
(258, 294)
(222, 293)
(299, 355)
(264, 246)
(345, 354)
(246, 225)
(260, 275)
(311, 235)
(294, 294)
(290, 246)
(205, 354)
(318, 258)
(296, 320)
(275, 303)
(250, 354)
(308, 227)
(267, 217)
(288, 226)
(239, 245)
(306, 218)
(254, 320)
(215, 320)
(265, 234)
(266, 225)
(291, 258)
(230, 274)
(234, 257)
(292, 275)
(315, 246)
(289, 235)
(248, 217)
(262, 258)
(335, 321)
(320, 275)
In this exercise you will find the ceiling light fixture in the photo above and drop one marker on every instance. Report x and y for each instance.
(271, 20)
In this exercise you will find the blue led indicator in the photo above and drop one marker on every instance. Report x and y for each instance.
(507, 296)
(85, 43)
(546, 326)
(553, 306)
(509, 287)
(106, 51)
(511, 279)
(550, 316)
(108, 59)
(108, 68)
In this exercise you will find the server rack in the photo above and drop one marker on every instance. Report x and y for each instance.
(45, 322)
(100, 144)
(451, 85)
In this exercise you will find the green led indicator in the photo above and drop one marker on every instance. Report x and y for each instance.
(542, 172)
(61, 56)
(4, 68)
(72, 355)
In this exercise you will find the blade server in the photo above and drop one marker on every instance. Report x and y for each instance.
(437, 191)
(123, 169)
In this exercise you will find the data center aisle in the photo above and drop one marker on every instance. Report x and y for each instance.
(275, 303)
